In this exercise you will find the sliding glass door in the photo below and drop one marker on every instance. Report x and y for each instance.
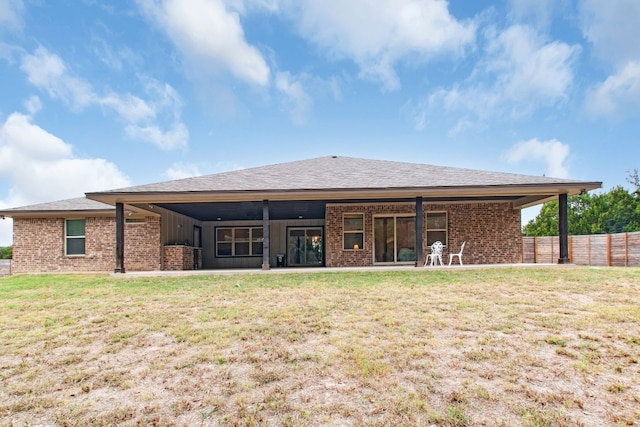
(394, 239)
(304, 246)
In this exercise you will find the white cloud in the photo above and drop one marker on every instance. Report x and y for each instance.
(378, 34)
(539, 12)
(618, 95)
(6, 230)
(553, 154)
(520, 73)
(182, 170)
(174, 137)
(527, 66)
(612, 27)
(42, 167)
(48, 72)
(209, 36)
(33, 105)
(296, 95)
(11, 14)
(132, 108)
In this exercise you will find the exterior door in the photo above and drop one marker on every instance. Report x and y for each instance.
(394, 239)
(305, 246)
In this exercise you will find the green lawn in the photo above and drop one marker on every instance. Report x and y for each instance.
(495, 347)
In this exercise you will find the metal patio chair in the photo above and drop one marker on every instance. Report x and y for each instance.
(436, 254)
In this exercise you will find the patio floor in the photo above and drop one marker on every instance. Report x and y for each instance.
(288, 270)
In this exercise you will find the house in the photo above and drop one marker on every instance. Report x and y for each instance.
(330, 211)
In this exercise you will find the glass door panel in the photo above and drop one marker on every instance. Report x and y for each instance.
(406, 239)
(384, 239)
(394, 239)
(304, 246)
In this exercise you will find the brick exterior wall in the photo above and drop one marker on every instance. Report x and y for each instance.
(491, 230)
(142, 245)
(38, 246)
(181, 257)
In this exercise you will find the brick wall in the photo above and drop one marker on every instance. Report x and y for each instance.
(491, 230)
(179, 257)
(142, 247)
(38, 246)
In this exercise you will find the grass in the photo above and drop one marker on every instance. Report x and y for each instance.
(529, 347)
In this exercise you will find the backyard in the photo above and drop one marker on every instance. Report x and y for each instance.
(498, 347)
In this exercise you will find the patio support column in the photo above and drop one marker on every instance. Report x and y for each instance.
(419, 221)
(563, 229)
(119, 238)
(265, 235)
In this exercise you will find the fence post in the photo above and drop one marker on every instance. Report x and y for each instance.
(626, 249)
(608, 250)
(571, 248)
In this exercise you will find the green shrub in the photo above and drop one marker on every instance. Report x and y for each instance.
(6, 252)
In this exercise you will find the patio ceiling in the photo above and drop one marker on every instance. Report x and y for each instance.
(283, 210)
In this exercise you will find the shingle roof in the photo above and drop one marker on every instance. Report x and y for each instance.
(330, 174)
(336, 173)
(77, 204)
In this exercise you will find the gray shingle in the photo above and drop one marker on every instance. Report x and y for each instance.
(77, 204)
(337, 172)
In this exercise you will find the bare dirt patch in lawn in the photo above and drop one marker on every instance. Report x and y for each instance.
(496, 347)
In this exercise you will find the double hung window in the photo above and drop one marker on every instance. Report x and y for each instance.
(436, 228)
(353, 231)
(74, 241)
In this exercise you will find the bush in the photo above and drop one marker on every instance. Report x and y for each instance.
(6, 252)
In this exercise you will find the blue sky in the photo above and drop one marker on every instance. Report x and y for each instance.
(100, 95)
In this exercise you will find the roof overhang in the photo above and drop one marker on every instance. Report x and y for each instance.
(130, 211)
(57, 213)
(522, 195)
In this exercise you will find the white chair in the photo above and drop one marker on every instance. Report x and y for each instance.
(435, 255)
(459, 254)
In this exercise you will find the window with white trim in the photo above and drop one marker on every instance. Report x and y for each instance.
(437, 228)
(238, 241)
(74, 238)
(353, 231)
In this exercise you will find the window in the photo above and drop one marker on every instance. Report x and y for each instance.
(238, 241)
(436, 227)
(197, 236)
(135, 221)
(74, 237)
(353, 231)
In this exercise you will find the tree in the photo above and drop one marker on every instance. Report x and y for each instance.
(6, 252)
(634, 180)
(617, 211)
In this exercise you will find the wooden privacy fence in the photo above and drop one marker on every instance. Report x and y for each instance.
(617, 250)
